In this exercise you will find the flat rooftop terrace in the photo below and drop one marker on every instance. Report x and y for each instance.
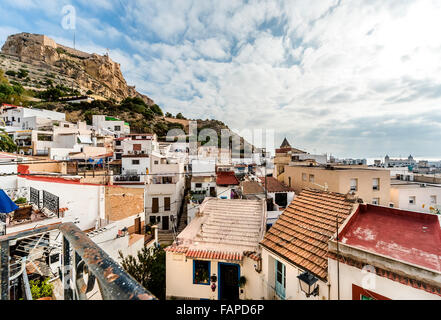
(412, 237)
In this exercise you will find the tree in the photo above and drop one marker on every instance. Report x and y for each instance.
(6, 142)
(156, 110)
(180, 116)
(148, 268)
(168, 115)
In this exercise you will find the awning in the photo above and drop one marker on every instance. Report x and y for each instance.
(85, 139)
(6, 204)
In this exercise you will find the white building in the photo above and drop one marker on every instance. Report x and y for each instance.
(416, 196)
(227, 185)
(216, 256)
(389, 162)
(106, 124)
(27, 118)
(164, 191)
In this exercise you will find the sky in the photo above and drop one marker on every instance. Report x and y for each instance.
(348, 78)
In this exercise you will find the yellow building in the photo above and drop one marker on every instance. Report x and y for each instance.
(369, 184)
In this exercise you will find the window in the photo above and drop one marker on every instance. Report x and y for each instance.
(137, 147)
(311, 178)
(118, 143)
(391, 205)
(289, 181)
(135, 162)
(354, 184)
(280, 279)
(201, 272)
(376, 201)
(167, 204)
(376, 184)
(155, 205)
(117, 128)
(412, 200)
(156, 162)
(304, 177)
(433, 199)
(118, 156)
(198, 185)
(152, 220)
(66, 126)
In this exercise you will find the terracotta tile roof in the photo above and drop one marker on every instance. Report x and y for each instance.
(275, 185)
(253, 255)
(206, 254)
(417, 284)
(226, 179)
(302, 232)
(252, 187)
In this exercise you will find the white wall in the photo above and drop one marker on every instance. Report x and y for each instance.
(86, 203)
(400, 197)
(293, 291)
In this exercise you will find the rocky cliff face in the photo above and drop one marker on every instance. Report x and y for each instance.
(93, 72)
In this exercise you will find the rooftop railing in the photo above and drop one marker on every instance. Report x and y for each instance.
(79, 255)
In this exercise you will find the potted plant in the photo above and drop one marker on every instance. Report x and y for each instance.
(41, 290)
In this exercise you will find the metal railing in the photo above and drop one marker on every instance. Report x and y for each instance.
(79, 255)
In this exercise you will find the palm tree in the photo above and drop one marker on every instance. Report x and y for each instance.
(6, 142)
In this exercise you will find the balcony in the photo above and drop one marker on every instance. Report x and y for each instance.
(72, 262)
(127, 178)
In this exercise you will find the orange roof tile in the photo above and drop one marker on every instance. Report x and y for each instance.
(302, 232)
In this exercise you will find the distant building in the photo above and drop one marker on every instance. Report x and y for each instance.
(227, 185)
(416, 196)
(372, 185)
(410, 161)
(110, 125)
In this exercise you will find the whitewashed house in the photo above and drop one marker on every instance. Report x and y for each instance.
(217, 255)
(415, 196)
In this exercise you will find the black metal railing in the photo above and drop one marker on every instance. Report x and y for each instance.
(51, 202)
(34, 196)
(78, 255)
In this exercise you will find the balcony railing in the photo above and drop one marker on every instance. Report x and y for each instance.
(78, 255)
(127, 178)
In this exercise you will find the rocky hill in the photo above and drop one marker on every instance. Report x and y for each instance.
(46, 62)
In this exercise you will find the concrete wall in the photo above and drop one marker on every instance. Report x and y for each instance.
(122, 203)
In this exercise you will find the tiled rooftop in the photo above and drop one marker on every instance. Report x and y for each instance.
(252, 187)
(301, 233)
(226, 179)
(275, 185)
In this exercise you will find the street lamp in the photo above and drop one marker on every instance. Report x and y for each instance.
(308, 284)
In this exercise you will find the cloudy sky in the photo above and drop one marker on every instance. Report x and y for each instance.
(352, 78)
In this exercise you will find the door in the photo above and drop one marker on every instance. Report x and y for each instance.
(138, 226)
(165, 223)
(213, 192)
(229, 282)
(155, 205)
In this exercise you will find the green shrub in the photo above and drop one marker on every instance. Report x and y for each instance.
(41, 289)
(21, 201)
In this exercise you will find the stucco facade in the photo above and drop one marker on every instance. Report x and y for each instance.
(339, 179)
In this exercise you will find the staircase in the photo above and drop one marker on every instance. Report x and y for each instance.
(166, 238)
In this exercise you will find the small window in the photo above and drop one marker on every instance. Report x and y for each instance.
(354, 184)
(201, 272)
(156, 162)
(289, 181)
(167, 204)
(412, 200)
(198, 185)
(304, 177)
(117, 128)
(391, 205)
(118, 143)
(311, 178)
(433, 199)
(135, 162)
(152, 220)
(376, 184)
(66, 126)
(376, 201)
